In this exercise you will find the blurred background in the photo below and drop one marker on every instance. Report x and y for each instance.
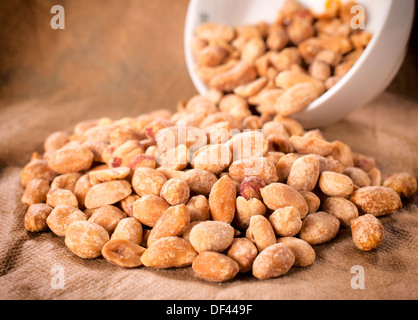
(114, 58)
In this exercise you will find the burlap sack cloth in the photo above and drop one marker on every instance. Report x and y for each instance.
(120, 60)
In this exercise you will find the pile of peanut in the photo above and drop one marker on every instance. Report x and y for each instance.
(283, 67)
(215, 185)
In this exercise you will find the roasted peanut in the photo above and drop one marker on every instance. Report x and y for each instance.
(244, 252)
(245, 209)
(86, 239)
(375, 177)
(81, 188)
(368, 232)
(286, 222)
(279, 195)
(107, 217)
(273, 262)
(312, 201)
(303, 252)
(175, 191)
(403, 183)
(127, 204)
(304, 173)
(147, 181)
(222, 200)
(213, 158)
(123, 253)
(377, 201)
(211, 236)
(307, 145)
(261, 232)
(335, 184)
(250, 187)
(214, 267)
(36, 216)
(56, 141)
(62, 217)
(257, 167)
(70, 159)
(98, 176)
(56, 197)
(227, 81)
(343, 209)
(358, 176)
(173, 222)
(108, 192)
(319, 227)
(148, 209)
(296, 99)
(37, 169)
(198, 208)
(169, 252)
(35, 192)
(128, 229)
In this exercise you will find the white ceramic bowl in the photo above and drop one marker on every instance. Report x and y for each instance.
(390, 22)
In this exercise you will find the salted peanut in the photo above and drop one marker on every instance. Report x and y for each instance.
(123, 253)
(70, 159)
(319, 227)
(211, 56)
(198, 208)
(375, 177)
(308, 145)
(222, 200)
(327, 164)
(211, 236)
(363, 162)
(151, 151)
(35, 217)
(108, 217)
(342, 153)
(148, 209)
(331, 82)
(200, 181)
(274, 129)
(169, 252)
(244, 252)
(250, 187)
(312, 201)
(249, 144)
(251, 89)
(227, 81)
(37, 169)
(303, 252)
(296, 99)
(330, 57)
(253, 49)
(279, 195)
(127, 204)
(86, 239)
(274, 156)
(186, 233)
(214, 31)
(108, 192)
(286, 222)
(335, 184)
(343, 209)
(35, 192)
(145, 235)
(213, 158)
(120, 135)
(284, 165)
(81, 188)
(248, 32)
(98, 176)
(359, 177)
(66, 181)
(361, 39)
(403, 183)
(128, 229)
(260, 232)
(155, 126)
(56, 141)
(170, 173)
(245, 209)
(257, 167)
(56, 197)
(197, 45)
(89, 212)
(348, 62)
(173, 222)
(206, 74)
(277, 39)
(175, 192)
(299, 31)
(316, 133)
(214, 267)
(273, 262)
(293, 127)
(147, 181)
(320, 70)
(252, 123)
(230, 101)
(368, 232)
(125, 153)
(214, 95)
(289, 79)
(377, 201)
(304, 173)
(284, 59)
(62, 217)
(266, 99)
(175, 158)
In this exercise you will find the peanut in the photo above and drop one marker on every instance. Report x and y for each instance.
(403, 183)
(36, 216)
(107, 217)
(244, 252)
(123, 253)
(198, 208)
(107, 193)
(368, 232)
(70, 159)
(304, 173)
(273, 262)
(343, 209)
(245, 209)
(147, 181)
(175, 192)
(211, 236)
(319, 227)
(214, 267)
(261, 232)
(148, 209)
(286, 222)
(35, 192)
(128, 229)
(335, 184)
(222, 200)
(303, 252)
(377, 201)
